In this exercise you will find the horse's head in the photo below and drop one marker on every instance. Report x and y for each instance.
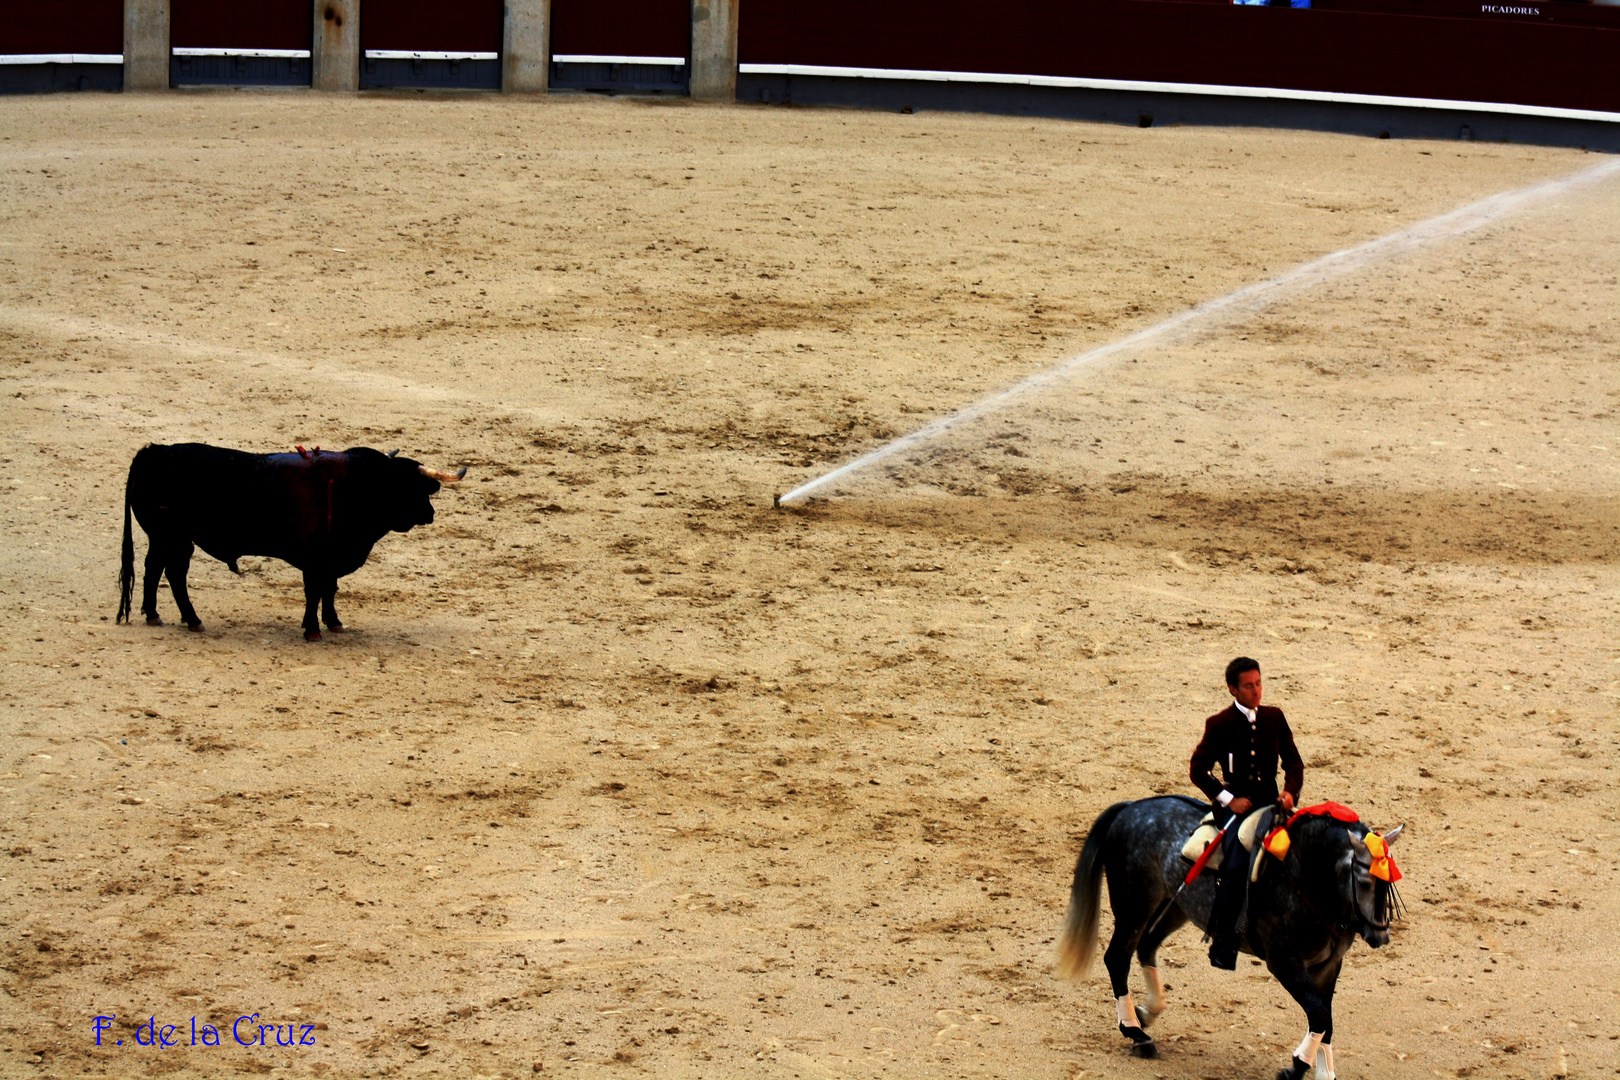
(1368, 897)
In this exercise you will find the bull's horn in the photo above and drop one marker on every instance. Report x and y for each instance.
(393, 453)
(440, 475)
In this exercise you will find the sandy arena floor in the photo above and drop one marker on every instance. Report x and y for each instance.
(622, 771)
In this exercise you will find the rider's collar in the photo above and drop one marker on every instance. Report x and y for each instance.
(1247, 713)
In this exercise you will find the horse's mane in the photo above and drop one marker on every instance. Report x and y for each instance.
(1315, 829)
(1312, 824)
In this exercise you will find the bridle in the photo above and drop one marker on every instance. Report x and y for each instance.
(1343, 927)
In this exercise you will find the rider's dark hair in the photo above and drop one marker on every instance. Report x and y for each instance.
(1238, 667)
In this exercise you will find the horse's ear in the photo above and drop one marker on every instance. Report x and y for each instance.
(1394, 834)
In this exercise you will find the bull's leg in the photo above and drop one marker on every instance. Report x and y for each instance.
(328, 610)
(1318, 1006)
(314, 590)
(177, 565)
(151, 577)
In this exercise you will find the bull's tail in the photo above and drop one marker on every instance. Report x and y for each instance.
(126, 568)
(1079, 942)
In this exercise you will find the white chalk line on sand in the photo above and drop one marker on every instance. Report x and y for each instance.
(1248, 300)
(291, 367)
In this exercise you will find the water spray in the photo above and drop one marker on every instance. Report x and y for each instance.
(1249, 300)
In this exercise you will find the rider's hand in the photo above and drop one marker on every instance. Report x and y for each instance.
(1286, 801)
(1240, 806)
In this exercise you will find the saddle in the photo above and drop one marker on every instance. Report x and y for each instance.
(1250, 830)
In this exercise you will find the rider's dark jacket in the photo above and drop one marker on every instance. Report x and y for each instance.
(1247, 756)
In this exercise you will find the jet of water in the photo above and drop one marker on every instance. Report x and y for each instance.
(1244, 302)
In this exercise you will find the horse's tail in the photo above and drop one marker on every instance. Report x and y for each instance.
(1079, 942)
(126, 568)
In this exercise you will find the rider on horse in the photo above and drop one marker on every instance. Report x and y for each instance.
(1246, 741)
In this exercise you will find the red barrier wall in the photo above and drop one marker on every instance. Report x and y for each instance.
(465, 26)
(1567, 56)
(63, 26)
(262, 24)
(622, 27)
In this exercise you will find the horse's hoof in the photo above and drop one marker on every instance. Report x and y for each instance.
(1297, 1072)
(195, 627)
(1144, 1017)
(1142, 1044)
(312, 635)
(153, 620)
(336, 628)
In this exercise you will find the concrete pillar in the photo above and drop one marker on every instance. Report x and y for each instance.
(335, 53)
(526, 47)
(714, 49)
(146, 44)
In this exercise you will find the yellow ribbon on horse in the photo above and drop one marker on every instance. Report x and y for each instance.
(1383, 867)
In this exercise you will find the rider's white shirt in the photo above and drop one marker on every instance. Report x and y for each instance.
(1251, 715)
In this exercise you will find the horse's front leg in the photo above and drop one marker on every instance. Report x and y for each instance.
(1327, 980)
(1316, 998)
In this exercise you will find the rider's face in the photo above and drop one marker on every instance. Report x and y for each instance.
(1247, 690)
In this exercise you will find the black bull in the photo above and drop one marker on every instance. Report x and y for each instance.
(322, 512)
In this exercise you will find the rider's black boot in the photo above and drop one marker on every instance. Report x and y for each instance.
(1223, 952)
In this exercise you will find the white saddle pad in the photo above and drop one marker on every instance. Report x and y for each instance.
(1248, 830)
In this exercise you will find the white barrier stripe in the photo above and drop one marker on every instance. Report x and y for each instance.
(425, 54)
(1210, 89)
(592, 58)
(269, 54)
(9, 59)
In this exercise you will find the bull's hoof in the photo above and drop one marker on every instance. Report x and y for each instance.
(153, 620)
(195, 627)
(312, 635)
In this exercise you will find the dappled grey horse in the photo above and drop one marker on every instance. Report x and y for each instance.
(1304, 912)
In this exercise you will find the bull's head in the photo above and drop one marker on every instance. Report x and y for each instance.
(435, 474)
(406, 487)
